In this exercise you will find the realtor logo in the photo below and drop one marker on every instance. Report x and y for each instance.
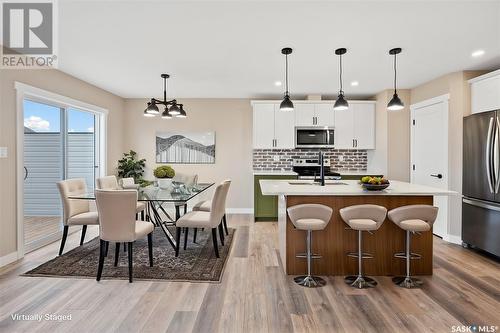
(28, 34)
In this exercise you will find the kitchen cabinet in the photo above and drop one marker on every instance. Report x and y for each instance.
(266, 206)
(272, 128)
(355, 127)
(310, 114)
(485, 92)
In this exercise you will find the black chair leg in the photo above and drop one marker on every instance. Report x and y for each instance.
(224, 220)
(185, 208)
(177, 240)
(150, 248)
(117, 253)
(214, 239)
(102, 248)
(136, 216)
(125, 247)
(130, 262)
(84, 230)
(107, 246)
(142, 215)
(186, 238)
(63, 240)
(221, 233)
(194, 235)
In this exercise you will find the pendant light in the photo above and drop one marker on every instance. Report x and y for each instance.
(172, 109)
(286, 104)
(395, 104)
(341, 103)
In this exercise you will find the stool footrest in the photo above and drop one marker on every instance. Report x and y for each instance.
(413, 256)
(304, 256)
(363, 256)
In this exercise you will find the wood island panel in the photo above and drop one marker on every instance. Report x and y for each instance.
(335, 241)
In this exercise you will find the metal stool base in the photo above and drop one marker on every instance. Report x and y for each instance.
(407, 282)
(360, 282)
(309, 281)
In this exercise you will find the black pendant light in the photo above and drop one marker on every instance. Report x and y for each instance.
(395, 104)
(172, 109)
(341, 103)
(286, 104)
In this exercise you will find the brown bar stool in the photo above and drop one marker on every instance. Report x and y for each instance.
(412, 219)
(362, 218)
(310, 217)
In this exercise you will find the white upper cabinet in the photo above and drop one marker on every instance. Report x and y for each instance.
(355, 127)
(304, 114)
(272, 128)
(485, 92)
(324, 114)
(344, 128)
(311, 114)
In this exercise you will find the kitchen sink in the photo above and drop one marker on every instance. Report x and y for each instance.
(316, 183)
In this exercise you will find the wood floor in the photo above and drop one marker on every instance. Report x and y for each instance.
(36, 227)
(255, 296)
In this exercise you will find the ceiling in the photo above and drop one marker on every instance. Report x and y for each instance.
(231, 49)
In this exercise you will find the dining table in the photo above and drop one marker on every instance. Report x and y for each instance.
(155, 199)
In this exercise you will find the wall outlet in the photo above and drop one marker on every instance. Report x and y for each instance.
(276, 158)
(341, 158)
(3, 152)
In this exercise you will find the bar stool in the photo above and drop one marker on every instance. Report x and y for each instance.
(309, 217)
(412, 219)
(362, 218)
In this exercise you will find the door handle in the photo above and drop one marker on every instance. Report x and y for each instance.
(25, 173)
(437, 176)
(488, 155)
(496, 153)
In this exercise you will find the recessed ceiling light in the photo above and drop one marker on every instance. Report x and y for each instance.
(477, 53)
(277, 83)
(354, 83)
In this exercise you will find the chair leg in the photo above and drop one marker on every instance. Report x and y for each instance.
(136, 216)
(142, 215)
(150, 248)
(224, 219)
(125, 247)
(359, 281)
(214, 239)
(186, 238)
(107, 247)
(130, 261)
(117, 253)
(185, 208)
(84, 230)
(221, 233)
(63, 240)
(177, 240)
(102, 247)
(194, 235)
(309, 280)
(407, 281)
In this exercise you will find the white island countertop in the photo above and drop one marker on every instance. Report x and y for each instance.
(345, 188)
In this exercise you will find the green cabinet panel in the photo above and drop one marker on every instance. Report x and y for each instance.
(266, 206)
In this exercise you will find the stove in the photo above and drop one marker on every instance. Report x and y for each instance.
(310, 169)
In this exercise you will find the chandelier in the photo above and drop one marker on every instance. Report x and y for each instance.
(172, 109)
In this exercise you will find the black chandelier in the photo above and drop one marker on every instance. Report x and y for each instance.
(172, 109)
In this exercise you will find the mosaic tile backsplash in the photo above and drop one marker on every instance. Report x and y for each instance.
(340, 159)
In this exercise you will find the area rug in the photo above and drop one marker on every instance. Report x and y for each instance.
(195, 264)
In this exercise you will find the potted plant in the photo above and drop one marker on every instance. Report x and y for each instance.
(131, 166)
(164, 175)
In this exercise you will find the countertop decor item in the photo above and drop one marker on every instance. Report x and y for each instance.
(374, 183)
(172, 108)
(164, 175)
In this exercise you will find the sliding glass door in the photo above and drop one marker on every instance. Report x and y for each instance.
(59, 143)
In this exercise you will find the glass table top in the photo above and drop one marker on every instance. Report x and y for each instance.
(176, 193)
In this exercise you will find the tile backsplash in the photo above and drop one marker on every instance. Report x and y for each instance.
(281, 159)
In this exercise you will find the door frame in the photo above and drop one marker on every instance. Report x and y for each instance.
(25, 91)
(413, 110)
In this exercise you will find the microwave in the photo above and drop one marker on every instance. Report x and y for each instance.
(314, 137)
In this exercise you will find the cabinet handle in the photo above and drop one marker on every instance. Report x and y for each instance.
(276, 142)
(356, 141)
(353, 143)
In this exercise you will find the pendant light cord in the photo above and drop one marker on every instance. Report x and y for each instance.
(164, 89)
(286, 74)
(395, 70)
(341, 90)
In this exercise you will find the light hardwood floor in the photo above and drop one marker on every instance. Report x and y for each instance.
(255, 296)
(36, 227)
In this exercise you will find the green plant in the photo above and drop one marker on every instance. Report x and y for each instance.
(164, 171)
(130, 166)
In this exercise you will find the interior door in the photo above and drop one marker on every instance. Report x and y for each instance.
(364, 125)
(429, 144)
(344, 128)
(324, 115)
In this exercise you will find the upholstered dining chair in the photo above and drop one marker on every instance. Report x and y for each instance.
(118, 225)
(75, 212)
(189, 180)
(200, 219)
(111, 183)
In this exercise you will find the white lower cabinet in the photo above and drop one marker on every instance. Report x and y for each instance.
(272, 128)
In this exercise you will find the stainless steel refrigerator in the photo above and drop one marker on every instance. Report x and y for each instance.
(481, 181)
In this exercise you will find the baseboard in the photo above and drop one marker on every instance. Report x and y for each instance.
(7, 259)
(239, 210)
(453, 239)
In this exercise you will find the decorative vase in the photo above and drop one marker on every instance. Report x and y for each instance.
(164, 183)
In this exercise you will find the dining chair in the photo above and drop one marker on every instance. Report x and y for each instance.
(189, 180)
(75, 212)
(204, 206)
(200, 219)
(118, 225)
(111, 183)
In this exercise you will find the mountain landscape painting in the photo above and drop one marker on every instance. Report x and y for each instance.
(185, 147)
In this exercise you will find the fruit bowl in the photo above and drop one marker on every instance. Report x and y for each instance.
(375, 187)
(374, 183)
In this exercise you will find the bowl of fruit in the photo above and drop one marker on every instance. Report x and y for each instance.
(374, 183)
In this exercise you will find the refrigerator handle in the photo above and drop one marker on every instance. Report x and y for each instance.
(496, 154)
(488, 155)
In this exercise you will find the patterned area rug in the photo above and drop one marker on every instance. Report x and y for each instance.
(197, 264)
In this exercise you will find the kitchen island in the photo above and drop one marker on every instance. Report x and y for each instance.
(335, 241)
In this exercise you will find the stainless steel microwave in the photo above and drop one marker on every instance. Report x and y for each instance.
(314, 137)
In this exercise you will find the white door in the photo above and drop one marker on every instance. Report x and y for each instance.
(324, 115)
(284, 129)
(304, 114)
(429, 152)
(364, 125)
(263, 126)
(344, 128)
